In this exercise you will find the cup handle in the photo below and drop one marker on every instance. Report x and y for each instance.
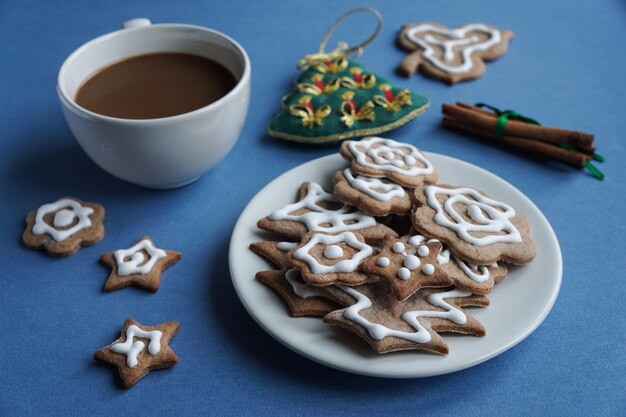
(138, 22)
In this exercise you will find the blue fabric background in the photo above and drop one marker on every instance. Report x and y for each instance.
(565, 67)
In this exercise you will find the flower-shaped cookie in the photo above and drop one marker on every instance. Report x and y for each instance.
(288, 283)
(475, 227)
(324, 259)
(376, 157)
(63, 227)
(139, 350)
(477, 279)
(389, 325)
(140, 265)
(451, 55)
(407, 267)
(319, 211)
(373, 196)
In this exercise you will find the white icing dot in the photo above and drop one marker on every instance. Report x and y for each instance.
(423, 251)
(398, 247)
(412, 262)
(388, 155)
(404, 274)
(416, 240)
(428, 269)
(64, 218)
(333, 252)
(384, 262)
(410, 160)
(137, 258)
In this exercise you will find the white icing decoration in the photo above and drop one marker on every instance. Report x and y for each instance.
(333, 252)
(131, 350)
(404, 273)
(286, 246)
(416, 240)
(63, 218)
(384, 262)
(458, 39)
(412, 262)
(369, 186)
(340, 220)
(428, 269)
(498, 221)
(472, 271)
(345, 265)
(379, 332)
(444, 255)
(300, 289)
(134, 264)
(66, 211)
(390, 156)
(398, 247)
(423, 251)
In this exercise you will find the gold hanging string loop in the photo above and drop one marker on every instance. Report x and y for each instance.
(342, 48)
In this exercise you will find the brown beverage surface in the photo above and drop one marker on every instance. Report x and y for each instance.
(155, 85)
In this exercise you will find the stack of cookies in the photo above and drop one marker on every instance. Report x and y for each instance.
(390, 254)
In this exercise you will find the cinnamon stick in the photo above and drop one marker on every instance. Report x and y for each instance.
(553, 151)
(487, 120)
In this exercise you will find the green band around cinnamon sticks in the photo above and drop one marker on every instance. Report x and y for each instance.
(505, 115)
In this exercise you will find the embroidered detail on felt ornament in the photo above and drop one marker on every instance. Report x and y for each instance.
(351, 113)
(310, 117)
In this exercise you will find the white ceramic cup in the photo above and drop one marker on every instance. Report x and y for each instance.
(167, 152)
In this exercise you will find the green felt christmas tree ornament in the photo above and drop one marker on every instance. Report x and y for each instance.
(336, 98)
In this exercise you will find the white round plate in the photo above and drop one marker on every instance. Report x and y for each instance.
(518, 305)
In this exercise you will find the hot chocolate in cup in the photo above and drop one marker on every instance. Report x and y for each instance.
(162, 151)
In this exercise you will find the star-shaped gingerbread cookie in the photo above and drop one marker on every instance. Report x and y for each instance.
(140, 265)
(407, 267)
(389, 325)
(140, 349)
(477, 279)
(288, 283)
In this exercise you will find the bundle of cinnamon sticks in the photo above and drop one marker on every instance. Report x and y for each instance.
(569, 146)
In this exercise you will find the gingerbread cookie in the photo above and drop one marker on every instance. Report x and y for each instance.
(376, 157)
(319, 211)
(139, 350)
(325, 259)
(373, 196)
(288, 284)
(407, 267)
(389, 325)
(476, 228)
(451, 55)
(477, 279)
(63, 227)
(140, 265)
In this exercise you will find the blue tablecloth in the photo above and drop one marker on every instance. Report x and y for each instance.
(565, 67)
